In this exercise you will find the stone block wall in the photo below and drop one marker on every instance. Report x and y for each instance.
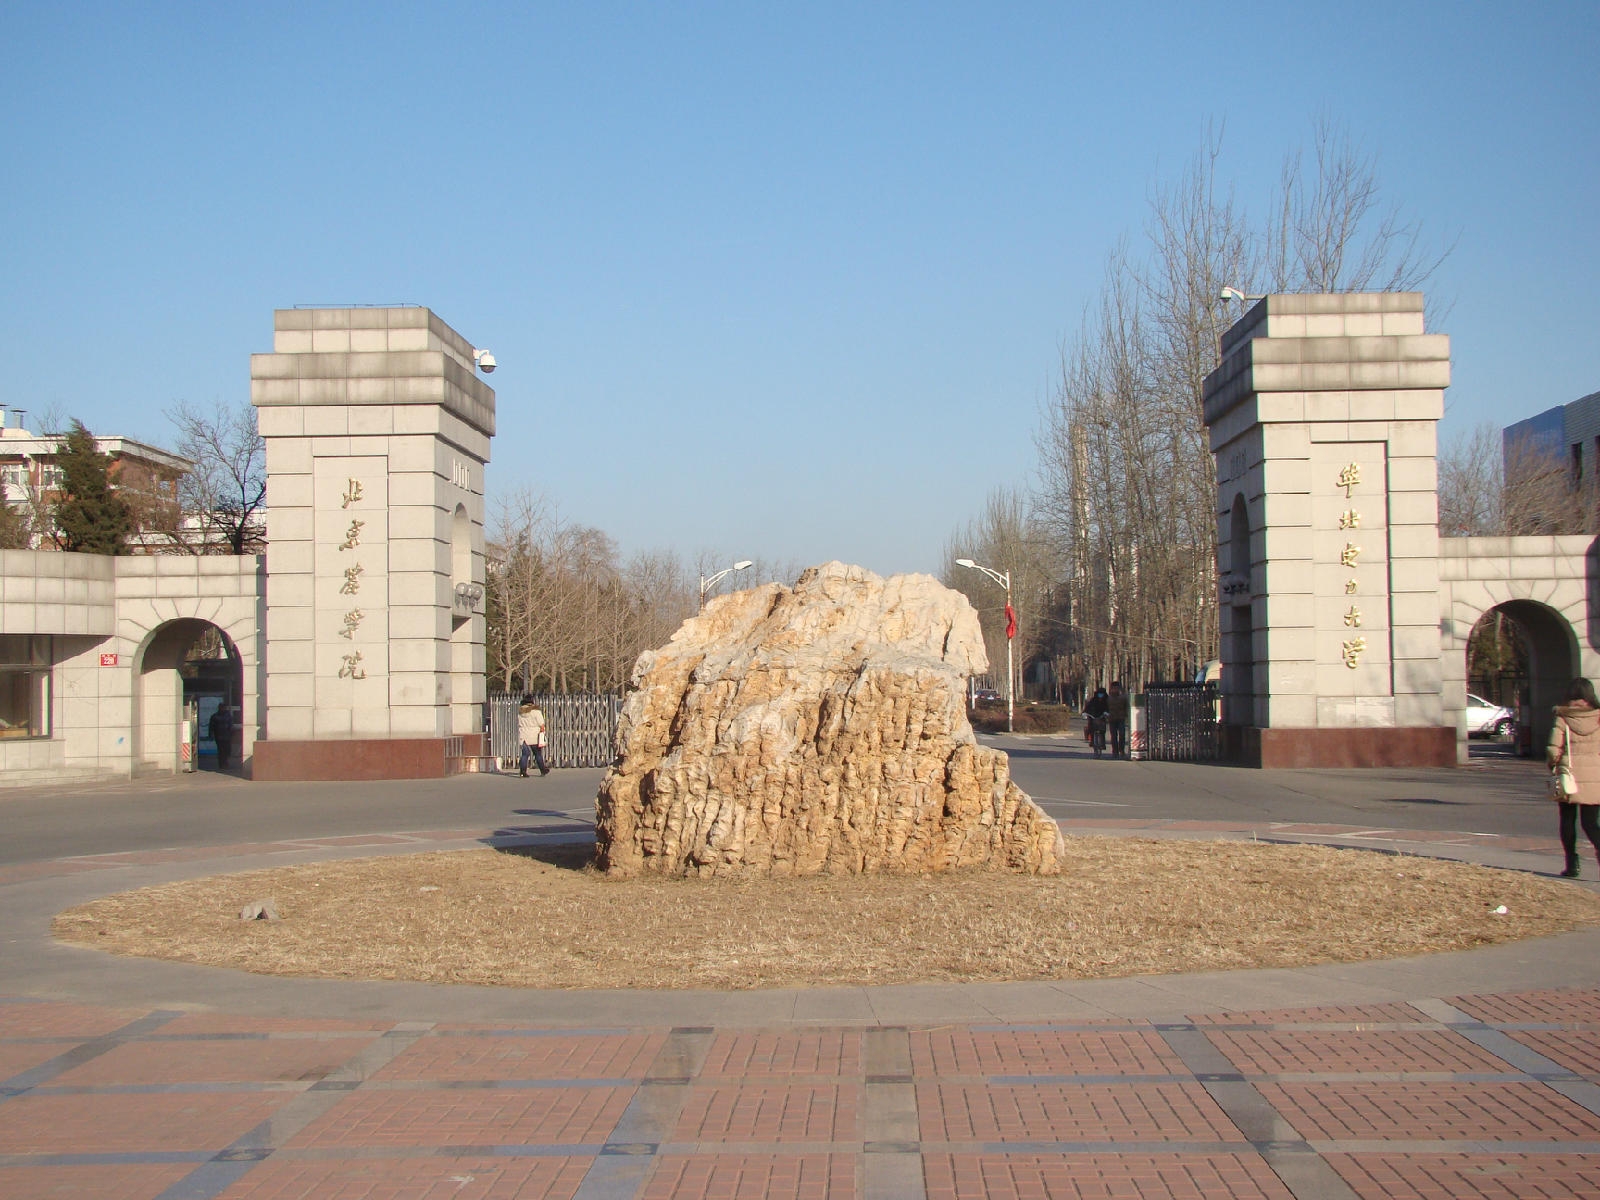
(114, 706)
(71, 598)
(377, 432)
(1550, 586)
(1322, 419)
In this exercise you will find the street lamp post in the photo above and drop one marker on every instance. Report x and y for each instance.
(1004, 580)
(707, 582)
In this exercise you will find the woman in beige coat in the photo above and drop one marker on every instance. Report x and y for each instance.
(1575, 744)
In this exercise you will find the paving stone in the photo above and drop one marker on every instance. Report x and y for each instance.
(467, 1057)
(458, 1178)
(753, 1177)
(539, 1116)
(771, 1113)
(1280, 1052)
(1469, 1176)
(786, 1053)
(1101, 1176)
(1061, 1113)
(957, 1051)
(243, 1060)
(1524, 1112)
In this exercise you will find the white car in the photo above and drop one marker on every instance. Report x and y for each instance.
(1488, 720)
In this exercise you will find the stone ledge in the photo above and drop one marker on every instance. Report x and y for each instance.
(1414, 746)
(281, 760)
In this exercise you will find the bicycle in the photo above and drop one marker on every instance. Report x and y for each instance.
(1097, 734)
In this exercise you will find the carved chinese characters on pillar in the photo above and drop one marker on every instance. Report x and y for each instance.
(352, 668)
(352, 536)
(1352, 648)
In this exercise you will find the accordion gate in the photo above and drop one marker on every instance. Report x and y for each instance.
(580, 727)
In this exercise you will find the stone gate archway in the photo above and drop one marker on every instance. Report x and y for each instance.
(1542, 584)
(162, 664)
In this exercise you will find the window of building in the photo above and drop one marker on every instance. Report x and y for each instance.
(50, 477)
(13, 481)
(24, 686)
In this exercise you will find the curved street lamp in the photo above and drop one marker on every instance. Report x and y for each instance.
(1004, 580)
(707, 582)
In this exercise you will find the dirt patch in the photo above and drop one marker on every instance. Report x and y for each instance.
(540, 918)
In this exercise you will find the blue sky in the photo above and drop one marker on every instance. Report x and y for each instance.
(787, 282)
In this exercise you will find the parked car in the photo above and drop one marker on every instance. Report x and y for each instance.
(983, 694)
(1489, 720)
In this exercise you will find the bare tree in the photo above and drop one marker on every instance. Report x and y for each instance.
(1127, 485)
(1008, 538)
(1543, 494)
(222, 497)
(1472, 484)
(564, 614)
(1333, 233)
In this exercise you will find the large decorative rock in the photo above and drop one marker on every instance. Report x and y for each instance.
(822, 729)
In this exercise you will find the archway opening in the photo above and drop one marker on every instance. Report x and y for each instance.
(187, 669)
(1521, 655)
(1239, 655)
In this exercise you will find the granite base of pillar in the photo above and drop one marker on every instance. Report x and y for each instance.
(288, 761)
(1415, 746)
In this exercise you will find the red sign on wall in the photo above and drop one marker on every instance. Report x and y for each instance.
(108, 660)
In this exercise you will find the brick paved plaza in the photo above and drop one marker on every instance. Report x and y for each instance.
(1465, 1097)
(1458, 1075)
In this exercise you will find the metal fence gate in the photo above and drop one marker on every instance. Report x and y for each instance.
(580, 727)
(1181, 722)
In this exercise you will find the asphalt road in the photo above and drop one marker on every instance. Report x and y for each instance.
(1494, 794)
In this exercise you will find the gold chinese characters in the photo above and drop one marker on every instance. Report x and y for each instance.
(1349, 477)
(1352, 648)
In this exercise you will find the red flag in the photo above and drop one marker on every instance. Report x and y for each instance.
(1011, 622)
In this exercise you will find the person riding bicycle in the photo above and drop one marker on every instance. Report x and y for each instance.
(1095, 715)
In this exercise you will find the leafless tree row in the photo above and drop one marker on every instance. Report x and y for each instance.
(1007, 537)
(1126, 494)
(565, 613)
(1491, 488)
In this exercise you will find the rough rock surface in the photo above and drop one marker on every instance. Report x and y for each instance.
(822, 729)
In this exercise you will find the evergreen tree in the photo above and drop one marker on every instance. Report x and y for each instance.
(88, 515)
(15, 529)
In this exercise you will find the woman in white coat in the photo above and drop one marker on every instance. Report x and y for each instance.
(531, 733)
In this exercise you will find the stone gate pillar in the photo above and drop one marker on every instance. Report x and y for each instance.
(1323, 419)
(377, 431)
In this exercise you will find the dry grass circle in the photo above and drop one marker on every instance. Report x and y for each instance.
(540, 919)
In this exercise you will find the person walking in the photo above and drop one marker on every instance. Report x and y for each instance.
(221, 729)
(531, 733)
(1117, 716)
(1574, 758)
